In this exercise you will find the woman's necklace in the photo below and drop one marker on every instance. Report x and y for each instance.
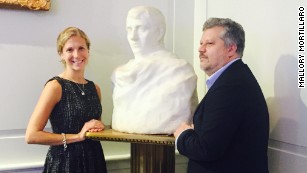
(82, 91)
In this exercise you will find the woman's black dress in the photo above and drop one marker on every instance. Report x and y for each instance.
(69, 116)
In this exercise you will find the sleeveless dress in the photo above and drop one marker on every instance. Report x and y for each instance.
(69, 116)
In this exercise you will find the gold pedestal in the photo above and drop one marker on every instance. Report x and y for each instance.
(151, 158)
(149, 153)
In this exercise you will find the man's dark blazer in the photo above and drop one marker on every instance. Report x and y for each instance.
(231, 126)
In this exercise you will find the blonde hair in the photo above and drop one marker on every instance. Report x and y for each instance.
(67, 34)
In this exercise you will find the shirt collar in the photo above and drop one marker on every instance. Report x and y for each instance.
(210, 81)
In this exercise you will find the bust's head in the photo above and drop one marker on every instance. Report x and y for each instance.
(145, 30)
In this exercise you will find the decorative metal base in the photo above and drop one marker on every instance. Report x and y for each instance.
(149, 153)
(151, 158)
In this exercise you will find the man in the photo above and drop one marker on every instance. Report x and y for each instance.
(230, 126)
(153, 93)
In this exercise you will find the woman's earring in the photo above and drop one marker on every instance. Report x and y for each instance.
(63, 61)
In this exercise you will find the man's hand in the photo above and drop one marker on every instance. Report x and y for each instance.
(183, 127)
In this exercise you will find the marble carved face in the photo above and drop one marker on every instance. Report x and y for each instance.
(143, 33)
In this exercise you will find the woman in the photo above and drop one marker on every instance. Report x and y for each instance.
(72, 105)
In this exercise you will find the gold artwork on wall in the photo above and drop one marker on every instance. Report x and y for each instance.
(26, 4)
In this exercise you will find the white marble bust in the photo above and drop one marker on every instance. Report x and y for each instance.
(156, 91)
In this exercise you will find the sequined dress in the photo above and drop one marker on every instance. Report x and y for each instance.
(69, 116)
